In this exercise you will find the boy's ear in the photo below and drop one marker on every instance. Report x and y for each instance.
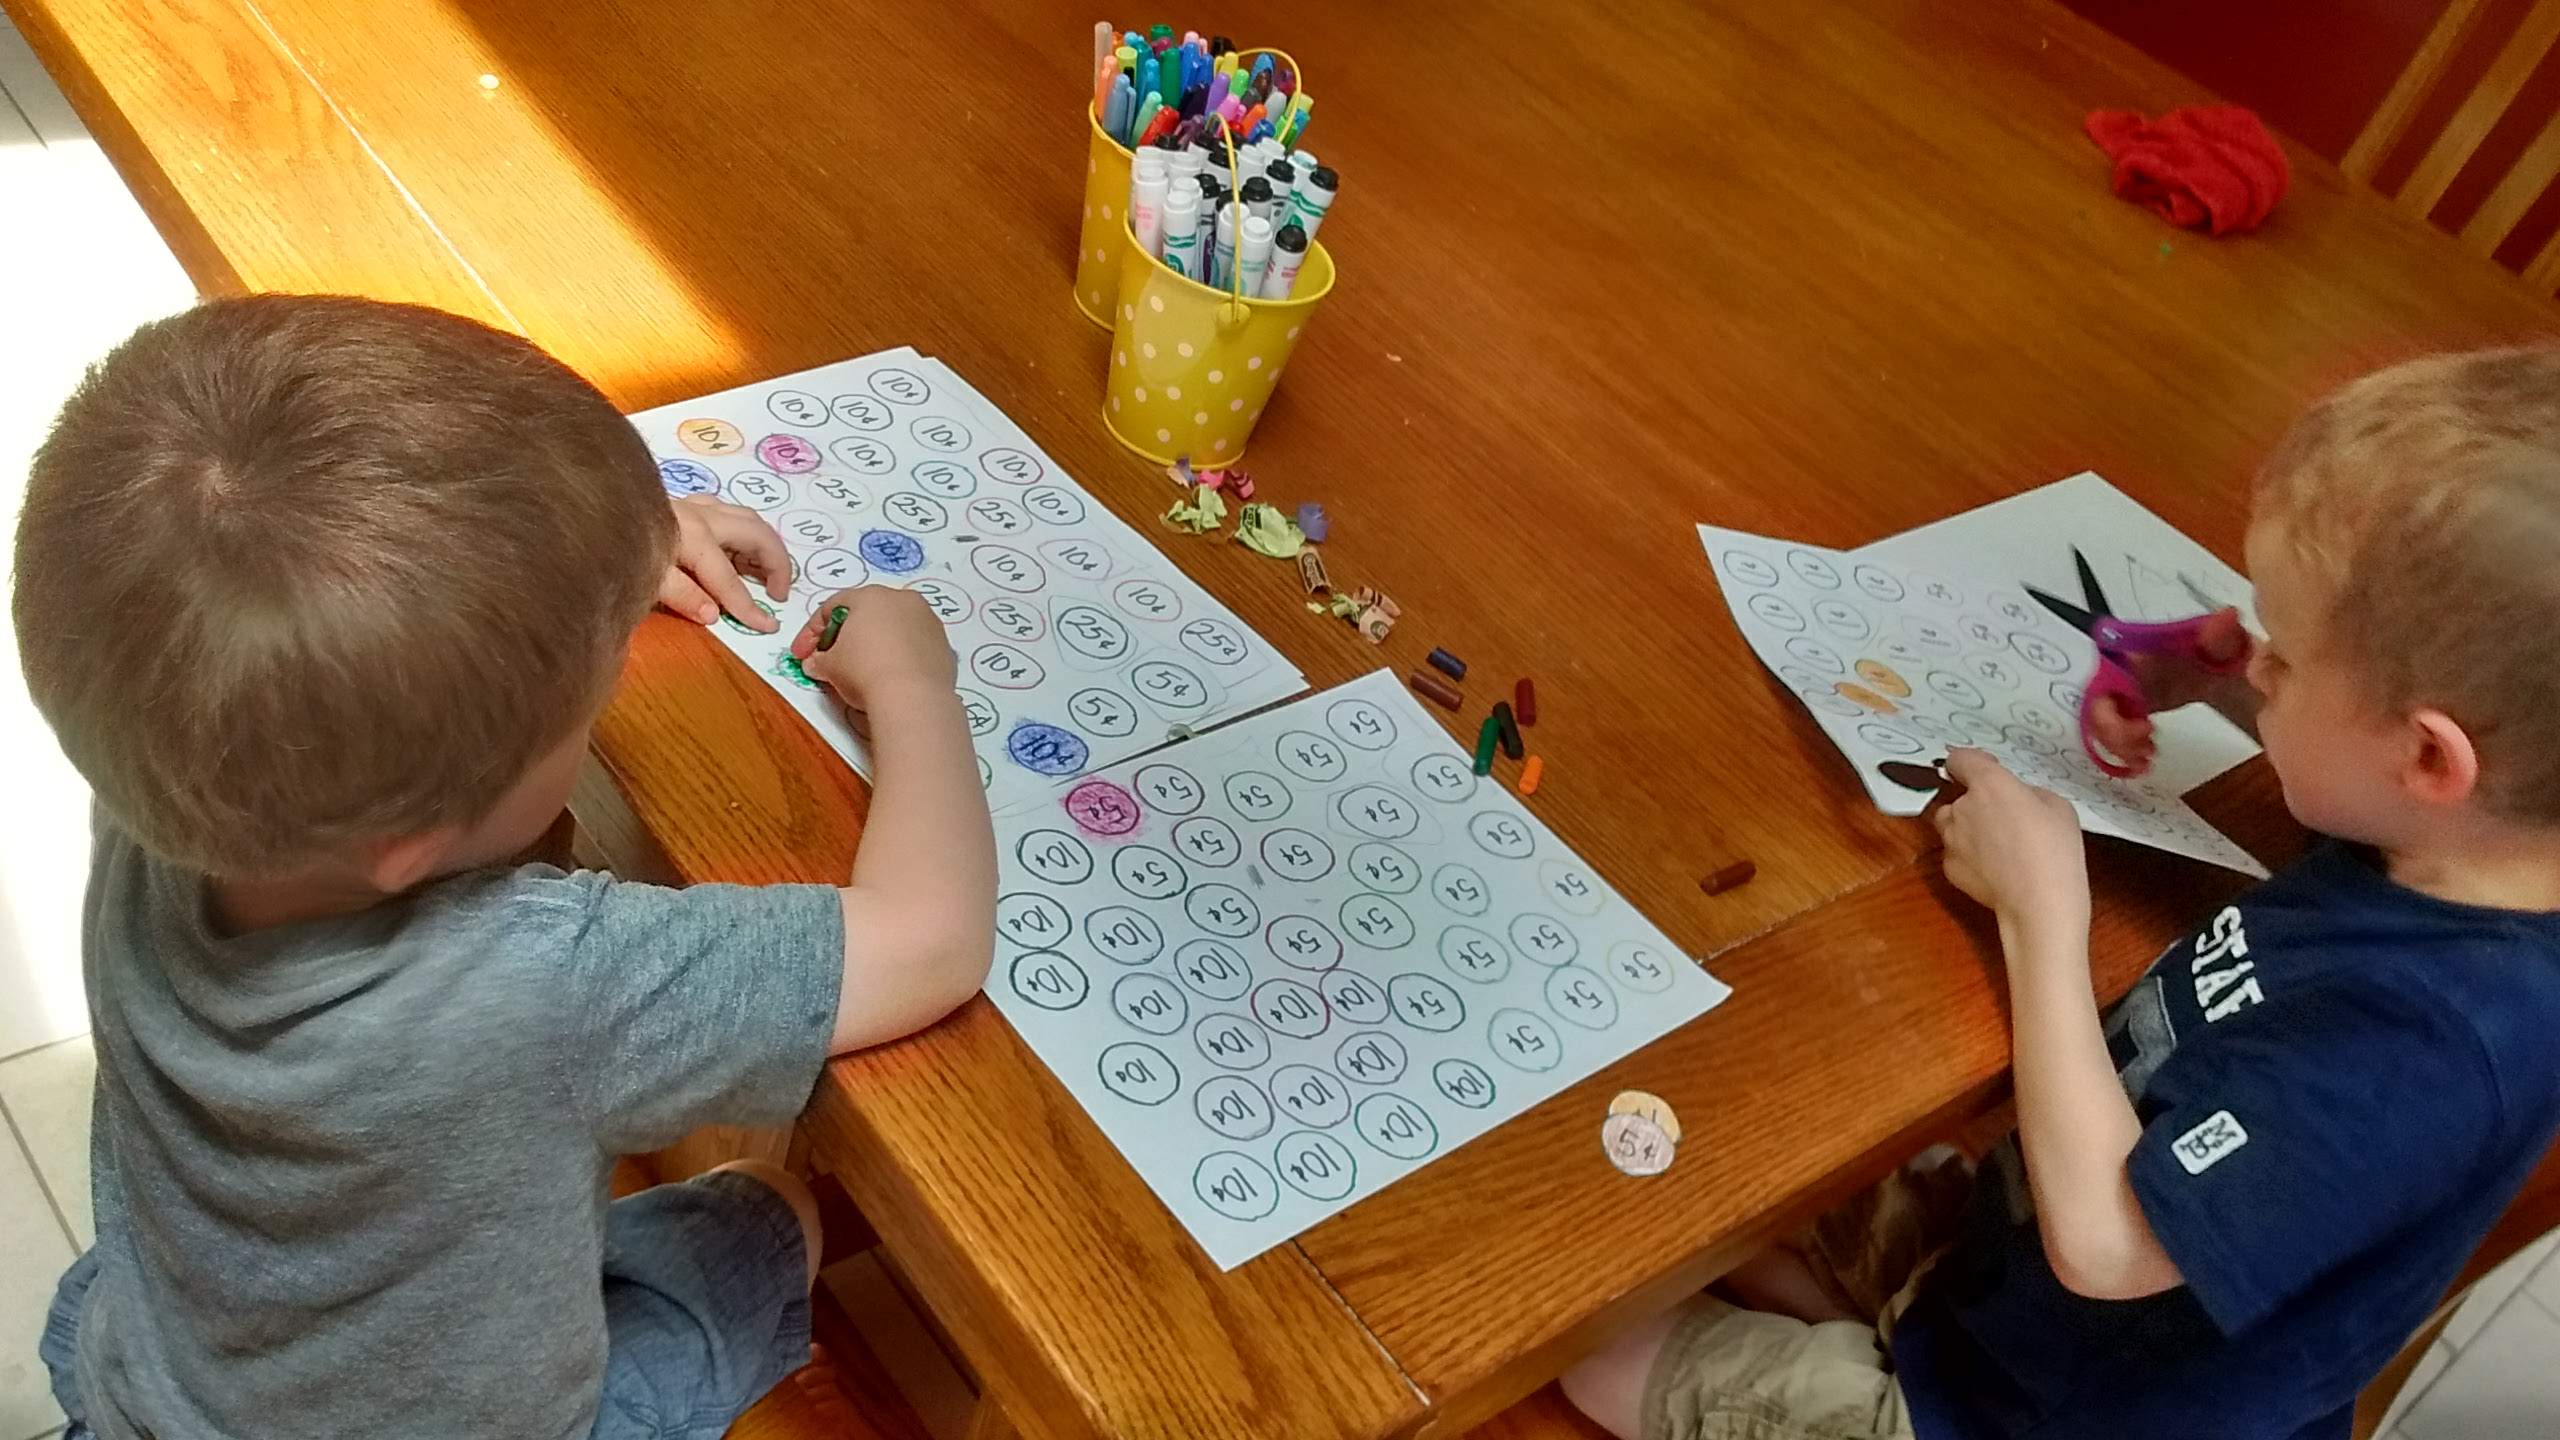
(2443, 768)
(395, 865)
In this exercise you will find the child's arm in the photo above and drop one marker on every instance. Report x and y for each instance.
(919, 915)
(2018, 850)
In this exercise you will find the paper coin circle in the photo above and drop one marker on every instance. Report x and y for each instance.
(1649, 1105)
(1636, 1145)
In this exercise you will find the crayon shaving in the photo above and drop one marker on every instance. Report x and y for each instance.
(1205, 511)
(1265, 531)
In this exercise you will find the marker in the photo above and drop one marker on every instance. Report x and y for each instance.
(1258, 201)
(1146, 199)
(1106, 75)
(1187, 162)
(1284, 179)
(1487, 736)
(1294, 122)
(1249, 125)
(1222, 262)
(1524, 702)
(1182, 230)
(1253, 251)
(835, 623)
(1288, 254)
(1150, 79)
(1217, 91)
(1313, 198)
(1531, 773)
(1166, 117)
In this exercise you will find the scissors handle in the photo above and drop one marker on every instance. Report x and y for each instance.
(2182, 638)
(2110, 681)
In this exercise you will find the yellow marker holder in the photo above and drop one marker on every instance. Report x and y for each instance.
(1192, 367)
(1106, 204)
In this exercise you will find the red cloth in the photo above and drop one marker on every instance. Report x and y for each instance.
(2212, 166)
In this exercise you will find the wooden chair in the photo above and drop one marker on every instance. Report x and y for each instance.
(2471, 121)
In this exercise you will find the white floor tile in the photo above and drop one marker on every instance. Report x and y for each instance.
(2502, 1386)
(47, 1093)
(35, 95)
(32, 1259)
(2489, 1295)
(2545, 1284)
(2431, 1367)
(73, 283)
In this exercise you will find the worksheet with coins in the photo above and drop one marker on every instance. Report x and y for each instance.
(1286, 962)
(1929, 639)
(1079, 642)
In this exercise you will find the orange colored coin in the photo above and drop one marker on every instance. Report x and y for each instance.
(1881, 676)
(709, 437)
(1861, 695)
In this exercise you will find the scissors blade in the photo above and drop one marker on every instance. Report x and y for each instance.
(2091, 593)
(2200, 595)
(2072, 615)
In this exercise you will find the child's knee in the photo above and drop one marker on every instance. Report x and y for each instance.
(795, 1193)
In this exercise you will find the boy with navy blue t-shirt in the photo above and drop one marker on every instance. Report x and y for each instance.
(2230, 1201)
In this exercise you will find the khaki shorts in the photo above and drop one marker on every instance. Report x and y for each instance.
(1727, 1373)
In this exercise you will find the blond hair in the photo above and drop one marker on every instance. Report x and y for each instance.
(300, 572)
(2426, 498)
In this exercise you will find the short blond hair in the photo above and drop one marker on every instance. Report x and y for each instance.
(2426, 498)
(300, 572)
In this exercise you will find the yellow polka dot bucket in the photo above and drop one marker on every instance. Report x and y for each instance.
(1106, 205)
(1191, 367)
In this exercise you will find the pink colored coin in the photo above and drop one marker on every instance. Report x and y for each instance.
(787, 454)
(1101, 808)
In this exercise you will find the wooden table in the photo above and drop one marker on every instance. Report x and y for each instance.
(1823, 272)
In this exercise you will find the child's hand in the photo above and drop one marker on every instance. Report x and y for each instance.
(2012, 846)
(2169, 681)
(891, 639)
(716, 543)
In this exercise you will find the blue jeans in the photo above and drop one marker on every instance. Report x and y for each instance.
(706, 1304)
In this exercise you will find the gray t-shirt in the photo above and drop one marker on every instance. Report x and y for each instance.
(350, 1174)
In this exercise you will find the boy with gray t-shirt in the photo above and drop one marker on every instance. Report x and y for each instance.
(322, 596)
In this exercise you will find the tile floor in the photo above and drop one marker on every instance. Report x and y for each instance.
(71, 288)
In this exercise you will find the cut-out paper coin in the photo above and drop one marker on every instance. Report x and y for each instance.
(1649, 1105)
(1642, 1135)
(1636, 1145)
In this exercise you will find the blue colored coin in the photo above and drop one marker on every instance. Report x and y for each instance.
(891, 551)
(685, 477)
(1046, 749)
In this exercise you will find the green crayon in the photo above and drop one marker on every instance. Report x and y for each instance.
(835, 622)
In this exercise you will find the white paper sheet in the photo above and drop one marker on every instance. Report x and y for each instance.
(1288, 962)
(1928, 639)
(1080, 644)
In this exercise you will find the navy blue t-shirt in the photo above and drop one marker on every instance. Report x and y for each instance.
(2342, 1083)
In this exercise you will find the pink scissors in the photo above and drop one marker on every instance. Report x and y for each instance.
(2118, 641)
